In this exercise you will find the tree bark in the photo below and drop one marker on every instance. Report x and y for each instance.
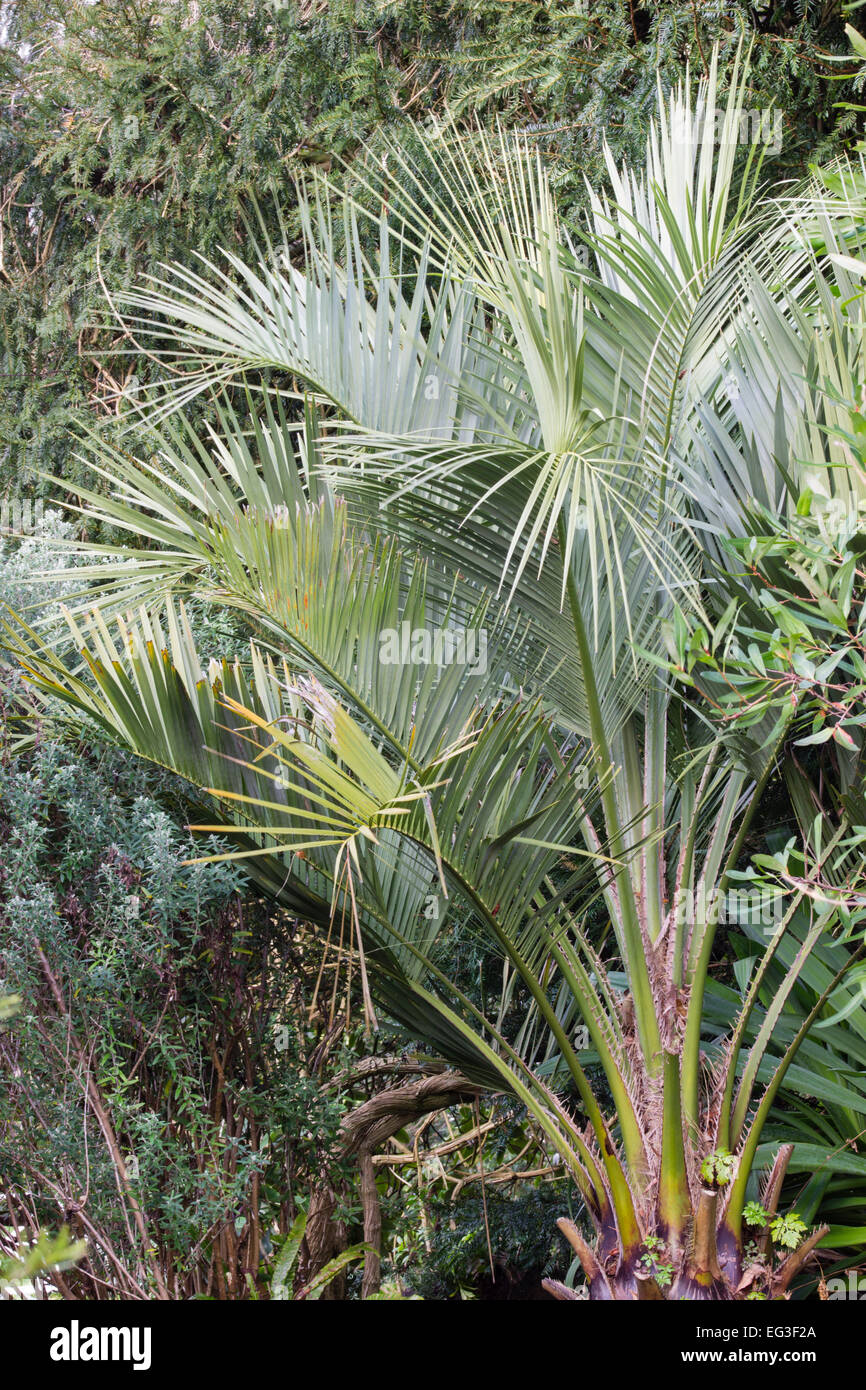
(363, 1131)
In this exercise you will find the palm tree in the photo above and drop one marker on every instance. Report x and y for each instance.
(539, 455)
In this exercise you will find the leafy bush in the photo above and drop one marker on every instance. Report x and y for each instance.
(145, 1100)
(523, 1241)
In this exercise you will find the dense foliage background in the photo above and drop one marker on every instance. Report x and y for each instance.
(163, 1013)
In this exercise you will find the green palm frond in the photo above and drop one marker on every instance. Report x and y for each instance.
(310, 795)
(346, 330)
